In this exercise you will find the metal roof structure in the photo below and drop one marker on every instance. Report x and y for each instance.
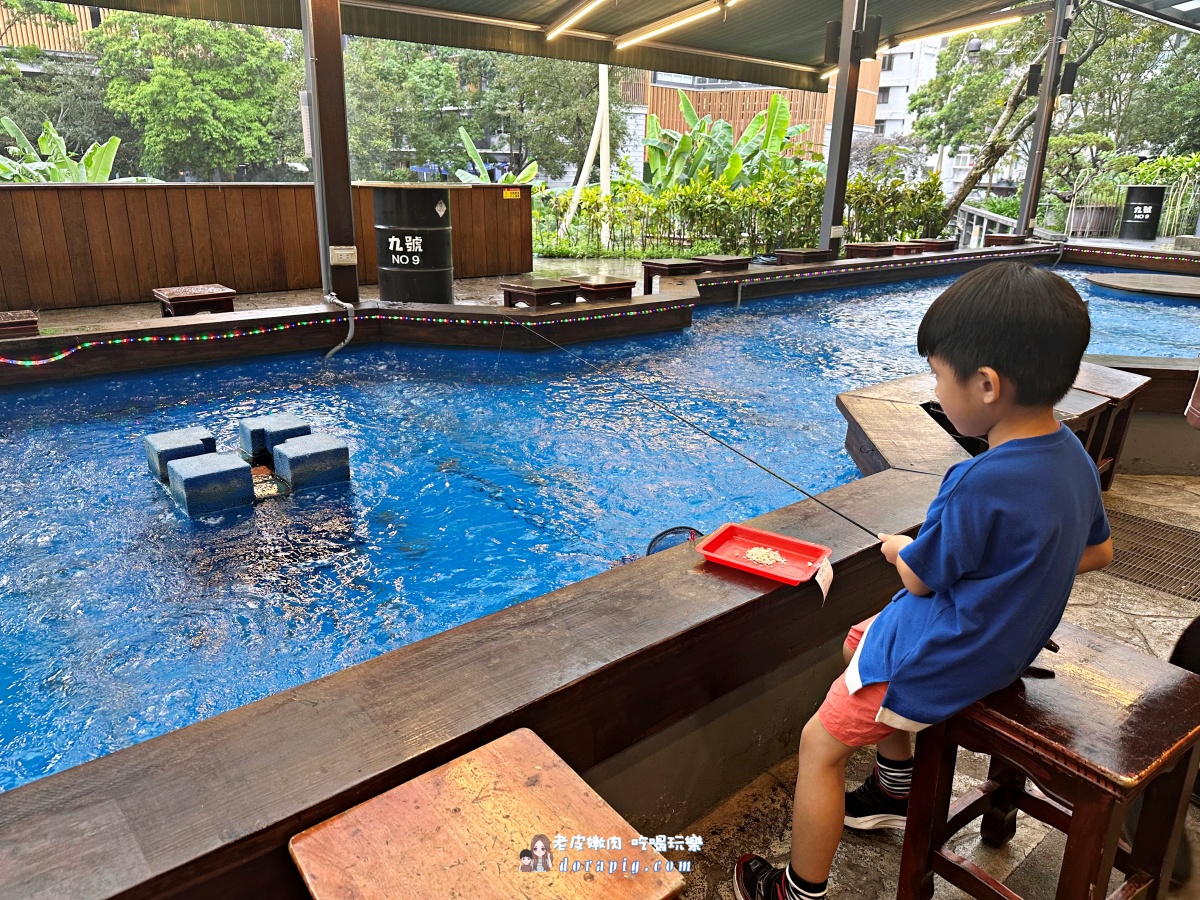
(777, 42)
(1180, 13)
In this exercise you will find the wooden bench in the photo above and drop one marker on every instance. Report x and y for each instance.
(18, 323)
(1121, 390)
(194, 298)
(909, 248)
(802, 256)
(1003, 240)
(468, 829)
(670, 267)
(598, 288)
(1112, 724)
(537, 291)
(722, 263)
(939, 245)
(871, 250)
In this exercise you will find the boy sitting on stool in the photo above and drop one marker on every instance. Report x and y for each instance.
(985, 581)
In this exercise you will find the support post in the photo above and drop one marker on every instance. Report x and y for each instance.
(321, 21)
(1060, 24)
(605, 156)
(837, 163)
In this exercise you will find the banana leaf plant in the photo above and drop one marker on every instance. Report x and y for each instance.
(50, 161)
(677, 158)
(525, 176)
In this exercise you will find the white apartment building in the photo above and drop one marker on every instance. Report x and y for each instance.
(902, 71)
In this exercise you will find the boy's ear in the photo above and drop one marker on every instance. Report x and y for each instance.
(989, 383)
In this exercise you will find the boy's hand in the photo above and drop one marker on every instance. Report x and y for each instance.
(892, 545)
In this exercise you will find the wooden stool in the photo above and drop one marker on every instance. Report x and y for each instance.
(597, 288)
(460, 829)
(873, 250)
(194, 298)
(652, 267)
(1112, 724)
(939, 245)
(996, 239)
(1121, 389)
(802, 256)
(909, 248)
(537, 291)
(721, 263)
(18, 323)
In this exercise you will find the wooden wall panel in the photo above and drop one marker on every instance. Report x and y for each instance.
(83, 270)
(12, 263)
(95, 217)
(95, 244)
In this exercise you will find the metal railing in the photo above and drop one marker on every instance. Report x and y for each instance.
(974, 224)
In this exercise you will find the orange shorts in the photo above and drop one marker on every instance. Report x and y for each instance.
(850, 718)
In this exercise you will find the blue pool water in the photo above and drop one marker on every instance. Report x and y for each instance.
(480, 479)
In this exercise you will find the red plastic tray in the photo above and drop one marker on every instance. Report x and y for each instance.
(729, 543)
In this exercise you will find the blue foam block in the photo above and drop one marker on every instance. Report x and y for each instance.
(259, 436)
(313, 460)
(210, 483)
(165, 446)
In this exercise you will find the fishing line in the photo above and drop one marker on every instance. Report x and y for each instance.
(690, 424)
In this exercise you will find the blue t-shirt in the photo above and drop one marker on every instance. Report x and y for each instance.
(1000, 547)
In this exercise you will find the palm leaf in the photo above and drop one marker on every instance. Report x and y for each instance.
(689, 111)
(473, 152)
(98, 161)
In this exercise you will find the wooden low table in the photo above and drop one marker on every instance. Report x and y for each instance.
(466, 829)
(18, 323)
(537, 291)
(596, 288)
(939, 245)
(1003, 240)
(802, 256)
(871, 250)
(194, 298)
(909, 248)
(722, 263)
(674, 266)
(1110, 725)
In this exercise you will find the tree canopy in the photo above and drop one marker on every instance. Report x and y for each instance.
(202, 94)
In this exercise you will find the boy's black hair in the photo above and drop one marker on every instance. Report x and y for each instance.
(1027, 323)
(526, 854)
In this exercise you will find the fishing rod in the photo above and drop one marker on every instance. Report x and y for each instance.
(690, 424)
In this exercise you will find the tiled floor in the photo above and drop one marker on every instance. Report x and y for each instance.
(758, 818)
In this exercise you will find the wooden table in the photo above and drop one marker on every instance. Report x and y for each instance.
(537, 291)
(909, 248)
(721, 263)
(673, 266)
(801, 256)
(18, 323)
(595, 288)
(194, 298)
(460, 829)
(1003, 240)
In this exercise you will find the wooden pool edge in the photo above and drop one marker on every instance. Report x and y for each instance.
(593, 668)
(229, 336)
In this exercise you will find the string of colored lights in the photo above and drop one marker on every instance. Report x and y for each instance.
(326, 320)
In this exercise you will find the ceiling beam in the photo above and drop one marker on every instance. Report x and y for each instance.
(967, 23)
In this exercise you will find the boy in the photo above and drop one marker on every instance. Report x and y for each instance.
(985, 581)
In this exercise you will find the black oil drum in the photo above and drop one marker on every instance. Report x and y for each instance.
(1143, 209)
(413, 247)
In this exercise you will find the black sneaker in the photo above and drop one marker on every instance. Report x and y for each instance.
(869, 808)
(756, 879)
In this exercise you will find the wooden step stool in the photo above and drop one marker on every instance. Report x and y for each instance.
(1112, 724)
(194, 298)
(717, 262)
(18, 323)
(537, 292)
(803, 256)
(669, 267)
(459, 831)
(599, 288)
(873, 250)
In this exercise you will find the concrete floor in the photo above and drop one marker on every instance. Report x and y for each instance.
(758, 818)
(467, 291)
